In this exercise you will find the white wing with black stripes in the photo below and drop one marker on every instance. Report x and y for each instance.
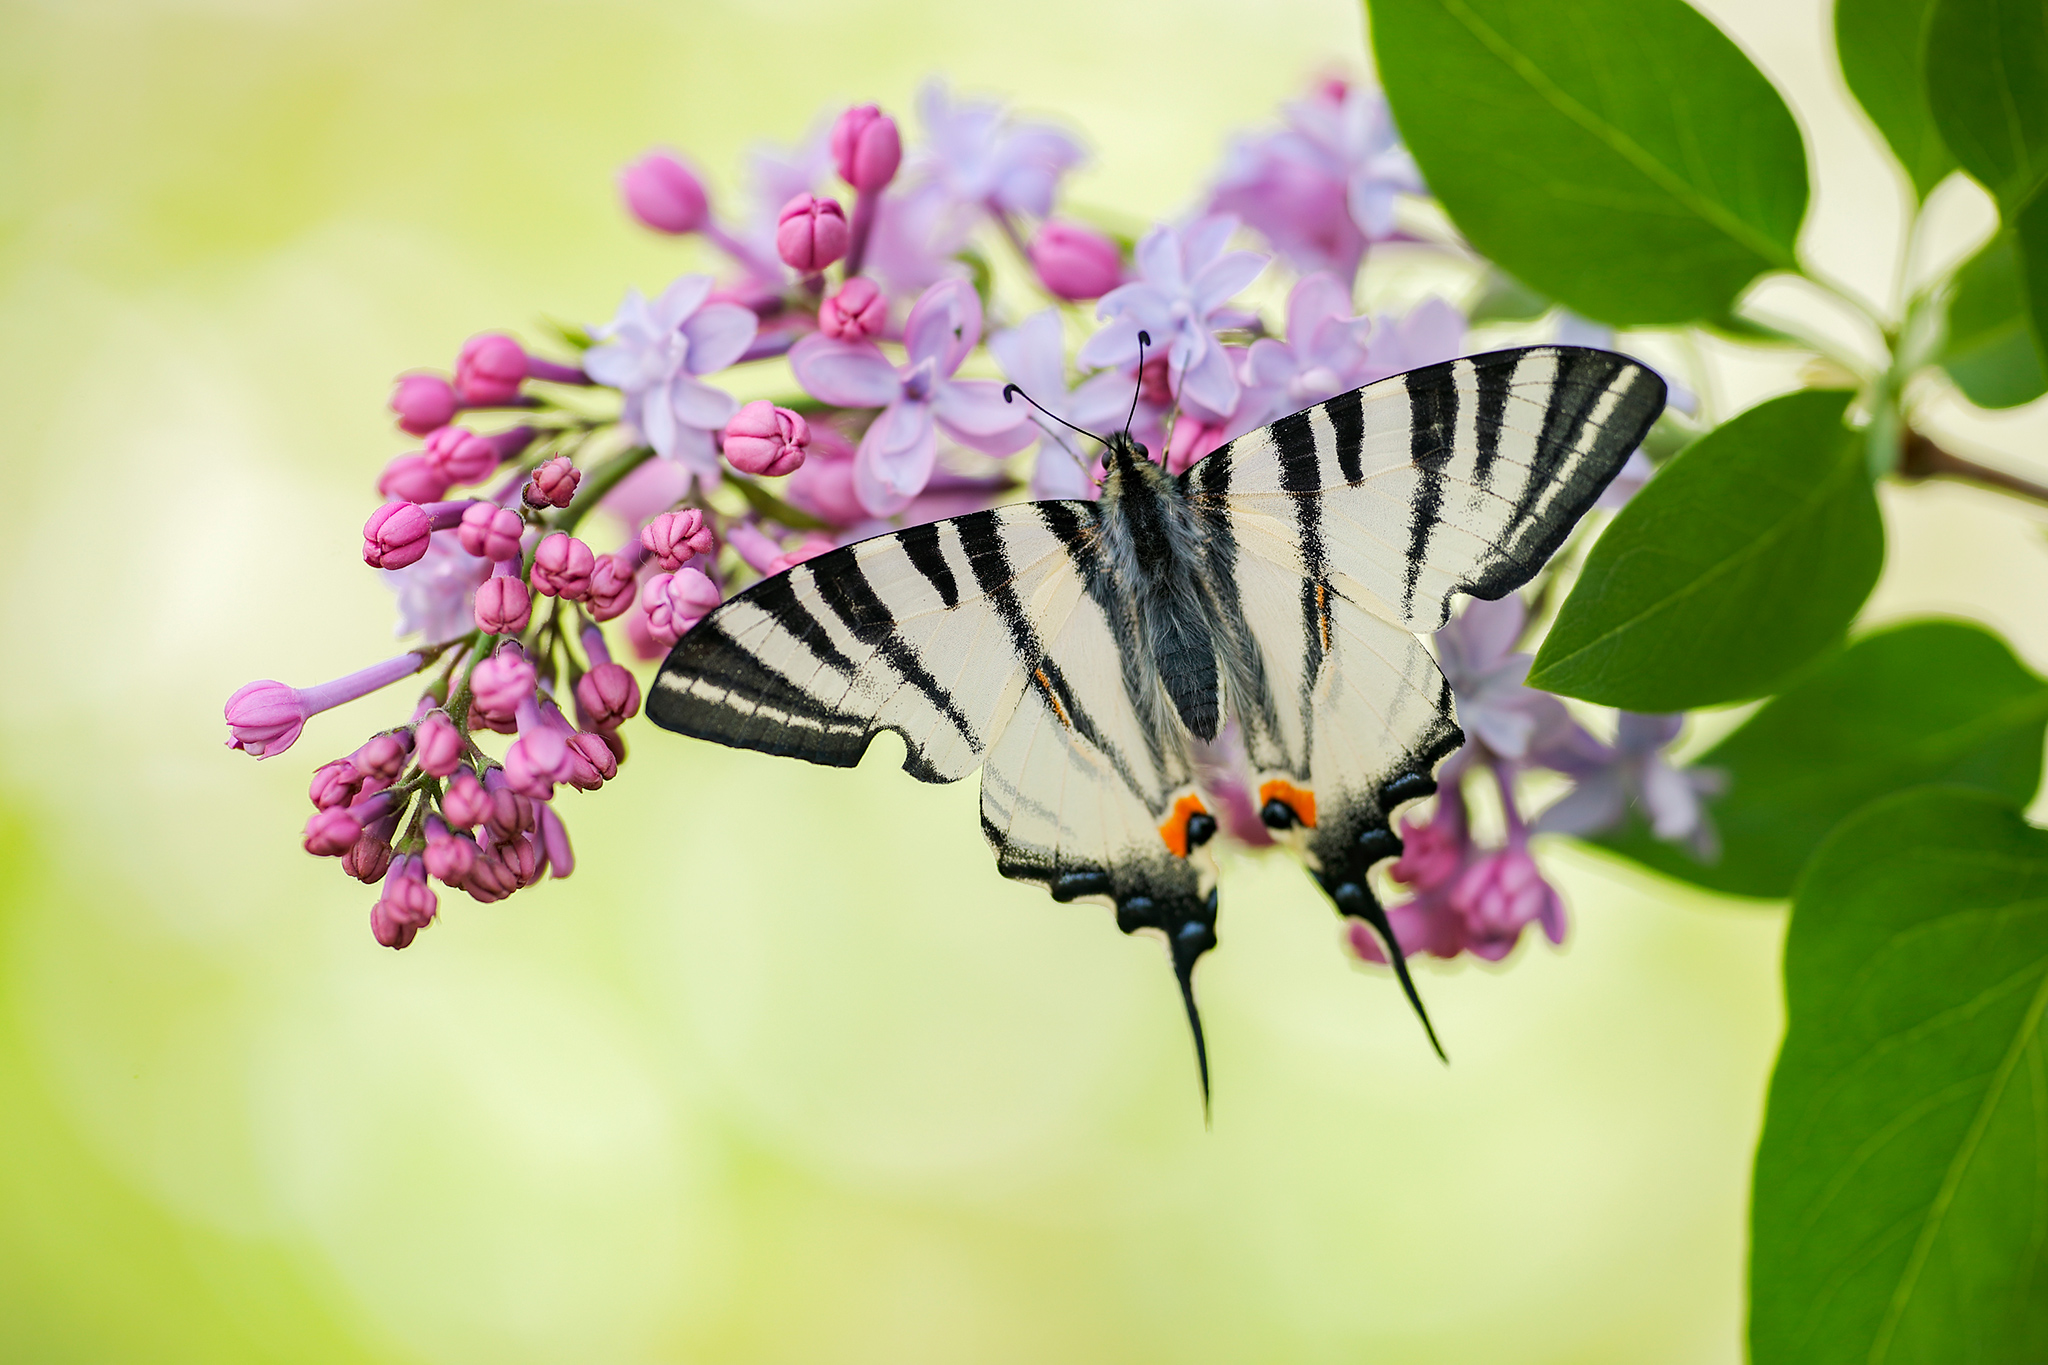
(1075, 651)
(1337, 532)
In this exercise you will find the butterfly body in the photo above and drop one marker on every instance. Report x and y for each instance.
(1084, 655)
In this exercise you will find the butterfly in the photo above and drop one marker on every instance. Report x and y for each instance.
(1083, 654)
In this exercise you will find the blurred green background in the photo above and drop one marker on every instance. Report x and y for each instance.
(785, 1072)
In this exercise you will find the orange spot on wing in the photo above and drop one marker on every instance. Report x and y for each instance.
(1300, 800)
(1045, 684)
(1323, 624)
(1175, 830)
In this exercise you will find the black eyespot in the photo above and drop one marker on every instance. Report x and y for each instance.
(1277, 814)
(1201, 828)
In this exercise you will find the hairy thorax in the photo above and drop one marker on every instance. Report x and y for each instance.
(1154, 544)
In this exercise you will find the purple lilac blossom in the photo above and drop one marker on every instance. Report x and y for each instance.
(435, 592)
(918, 398)
(653, 353)
(1185, 279)
(1635, 772)
(1323, 188)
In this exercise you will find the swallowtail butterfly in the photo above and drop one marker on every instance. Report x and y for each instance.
(1074, 651)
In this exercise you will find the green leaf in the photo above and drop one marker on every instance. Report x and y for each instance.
(1987, 85)
(1503, 298)
(1882, 45)
(1743, 559)
(1933, 701)
(1620, 156)
(1990, 350)
(1901, 1192)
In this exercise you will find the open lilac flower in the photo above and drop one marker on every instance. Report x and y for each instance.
(652, 352)
(435, 592)
(1636, 773)
(1427, 334)
(1323, 188)
(1186, 277)
(979, 157)
(918, 398)
(1507, 720)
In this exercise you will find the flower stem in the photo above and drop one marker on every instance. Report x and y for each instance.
(601, 481)
(1921, 458)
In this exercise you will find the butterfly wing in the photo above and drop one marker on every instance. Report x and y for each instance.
(992, 640)
(1336, 533)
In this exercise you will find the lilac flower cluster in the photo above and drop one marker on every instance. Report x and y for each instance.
(1472, 899)
(860, 284)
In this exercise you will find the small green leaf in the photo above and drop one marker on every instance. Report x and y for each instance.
(1620, 156)
(1882, 45)
(1901, 1192)
(1987, 85)
(1933, 701)
(1743, 559)
(1990, 349)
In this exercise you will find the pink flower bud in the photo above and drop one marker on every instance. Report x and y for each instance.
(857, 312)
(675, 538)
(553, 484)
(662, 193)
(1076, 263)
(331, 833)
(465, 804)
(449, 856)
(490, 370)
(437, 744)
(264, 718)
(412, 478)
(423, 402)
(491, 532)
(810, 233)
(395, 536)
(488, 879)
(498, 684)
(587, 768)
(866, 148)
(611, 587)
(608, 695)
(383, 756)
(764, 439)
(407, 905)
(522, 862)
(334, 784)
(503, 605)
(562, 566)
(367, 859)
(676, 601)
(459, 455)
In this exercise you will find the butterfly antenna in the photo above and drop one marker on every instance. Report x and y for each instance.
(1144, 340)
(1009, 389)
(1372, 914)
